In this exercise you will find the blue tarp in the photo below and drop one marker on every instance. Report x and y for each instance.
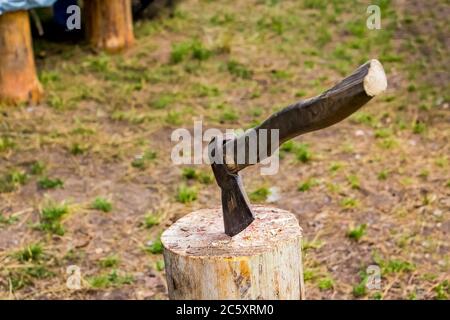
(14, 5)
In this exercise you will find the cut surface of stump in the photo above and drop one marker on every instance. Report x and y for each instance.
(109, 24)
(262, 262)
(18, 79)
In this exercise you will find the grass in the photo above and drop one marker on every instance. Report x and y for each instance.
(336, 166)
(51, 215)
(326, 284)
(302, 153)
(77, 149)
(111, 261)
(349, 203)
(383, 175)
(396, 266)
(189, 173)
(19, 278)
(101, 204)
(111, 279)
(195, 50)
(442, 290)
(12, 180)
(353, 181)
(151, 220)
(359, 289)
(47, 183)
(143, 161)
(238, 70)
(7, 220)
(419, 128)
(6, 143)
(37, 168)
(259, 195)
(186, 194)
(162, 102)
(250, 66)
(357, 233)
(160, 265)
(155, 247)
(31, 253)
(307, 185)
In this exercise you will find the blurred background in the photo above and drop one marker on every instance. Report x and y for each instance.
(85, 172)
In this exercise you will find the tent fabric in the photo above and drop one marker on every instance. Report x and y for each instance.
(14, 5)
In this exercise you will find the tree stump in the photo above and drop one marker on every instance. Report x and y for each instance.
(18, 79)
(109, 24)
(262, 262)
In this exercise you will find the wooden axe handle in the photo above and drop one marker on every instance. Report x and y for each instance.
(316, 113)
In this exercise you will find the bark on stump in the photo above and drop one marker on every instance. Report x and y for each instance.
(262, 262)
(109, 24)
(18, 79)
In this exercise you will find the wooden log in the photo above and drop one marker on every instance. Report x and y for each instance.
(262, 262)
(18, 79)
(109, 24)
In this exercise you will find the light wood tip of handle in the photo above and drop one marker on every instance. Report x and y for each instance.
(375, 81)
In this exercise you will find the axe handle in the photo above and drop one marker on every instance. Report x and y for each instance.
(313, 114)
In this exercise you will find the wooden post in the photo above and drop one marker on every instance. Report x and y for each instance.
(109, 24)
(262, 262)
(18, 79)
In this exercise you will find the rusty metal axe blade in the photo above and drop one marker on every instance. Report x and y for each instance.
(237, 214)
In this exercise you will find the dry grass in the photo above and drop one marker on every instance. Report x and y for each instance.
(104, 131)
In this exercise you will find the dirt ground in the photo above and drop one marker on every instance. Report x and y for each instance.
(86, 177)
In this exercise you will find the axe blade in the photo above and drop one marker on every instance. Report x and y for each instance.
(236, 211)
(237, 214)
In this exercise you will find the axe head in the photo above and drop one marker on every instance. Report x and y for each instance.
(237, 214)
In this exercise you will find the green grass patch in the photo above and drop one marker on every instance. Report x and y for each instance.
(238, 69)
(325, 284)
(151, 220)
(47, 183)
(6, 143)
(112, 279)
(111, 261)
(31, 253)
(357, 233)
(195, 50)
(383, 175)
(101, 204)
(160, 265)
(142, 161)
(12, 180)
(37, 168)
(349, 203)
(7, 220)
(162, 102)
(260, 194)
(442, 290)
(155, 247)
(186, 194)
(302, 153)
(307, 185)
(50, 217)
(353, 180)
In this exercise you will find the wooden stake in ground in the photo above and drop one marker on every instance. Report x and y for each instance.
(18, 79)
(262, 262)
(109, 24)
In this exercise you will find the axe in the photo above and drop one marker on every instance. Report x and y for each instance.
(229, 156)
